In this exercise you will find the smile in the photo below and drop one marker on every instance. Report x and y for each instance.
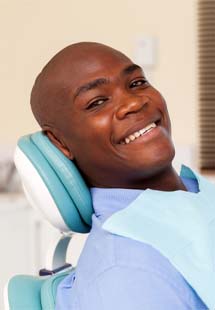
(138, 134)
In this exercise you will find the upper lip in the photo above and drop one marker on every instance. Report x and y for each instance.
(136, 127)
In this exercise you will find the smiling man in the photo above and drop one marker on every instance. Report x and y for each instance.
(98, 108)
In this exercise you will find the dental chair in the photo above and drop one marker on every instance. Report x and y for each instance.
(52, 184)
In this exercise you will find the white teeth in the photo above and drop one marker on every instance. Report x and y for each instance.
(132, 137)
(150, 126)
(138, 133)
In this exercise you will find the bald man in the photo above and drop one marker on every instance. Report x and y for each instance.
(99, 109)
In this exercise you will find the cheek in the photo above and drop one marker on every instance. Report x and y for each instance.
(89, 135)
(100, 123)
(162, 106)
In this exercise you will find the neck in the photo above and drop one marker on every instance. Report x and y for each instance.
(166, 179)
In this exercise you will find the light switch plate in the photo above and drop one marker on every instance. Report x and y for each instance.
(145, 53)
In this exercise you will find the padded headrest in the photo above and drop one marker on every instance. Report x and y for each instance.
(53, 184)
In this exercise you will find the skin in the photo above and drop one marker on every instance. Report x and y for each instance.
(87, 99)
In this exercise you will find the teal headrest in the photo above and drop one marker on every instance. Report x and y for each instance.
(53, 183)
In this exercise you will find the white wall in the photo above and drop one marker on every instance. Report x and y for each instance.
(33, 31)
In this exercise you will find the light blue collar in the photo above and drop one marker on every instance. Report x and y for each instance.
(181, 225)
(107, 201)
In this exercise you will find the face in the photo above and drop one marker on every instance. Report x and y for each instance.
(115, 125)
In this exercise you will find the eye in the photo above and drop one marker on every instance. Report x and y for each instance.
(139, 82)
(96, 103)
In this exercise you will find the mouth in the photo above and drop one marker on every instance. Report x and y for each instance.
(145, 132)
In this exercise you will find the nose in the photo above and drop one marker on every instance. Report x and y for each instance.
(132, 104)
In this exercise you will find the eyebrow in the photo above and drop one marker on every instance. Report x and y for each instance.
(104, 81)
(91, 85)
(130, 69)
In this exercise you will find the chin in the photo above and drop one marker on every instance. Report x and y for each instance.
(158, 159)
(163, 159)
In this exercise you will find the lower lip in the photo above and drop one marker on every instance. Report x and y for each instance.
(152, 133)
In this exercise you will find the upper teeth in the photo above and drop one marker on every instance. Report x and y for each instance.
(137, 134)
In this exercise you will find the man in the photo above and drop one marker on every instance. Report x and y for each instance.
(98, 108)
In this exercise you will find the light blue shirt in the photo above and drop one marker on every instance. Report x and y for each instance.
(118, 273)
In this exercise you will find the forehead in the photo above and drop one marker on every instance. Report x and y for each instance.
(81, 65)
(74, 68)
(103, 64)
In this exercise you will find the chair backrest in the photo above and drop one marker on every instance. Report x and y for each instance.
(33, 293)
(53, 184)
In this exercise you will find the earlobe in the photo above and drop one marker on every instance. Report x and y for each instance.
(59, 144)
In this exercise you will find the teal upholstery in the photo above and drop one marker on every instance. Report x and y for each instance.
(34, 293)
(70, 197)
(24, 293)
(63, 180)
(49, 290)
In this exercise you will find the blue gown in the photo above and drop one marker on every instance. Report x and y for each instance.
(116, 271)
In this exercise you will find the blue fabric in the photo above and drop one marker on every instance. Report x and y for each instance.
(180, 225)
(117, 273)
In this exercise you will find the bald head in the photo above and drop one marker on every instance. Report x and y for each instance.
(89, 99)
(50, 93)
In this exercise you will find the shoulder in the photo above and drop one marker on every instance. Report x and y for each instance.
(117, 272)
(122, 287)
(103, 251)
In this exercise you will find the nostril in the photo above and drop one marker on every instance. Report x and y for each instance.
(134, 106)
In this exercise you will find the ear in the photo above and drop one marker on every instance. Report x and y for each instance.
(59, 144)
